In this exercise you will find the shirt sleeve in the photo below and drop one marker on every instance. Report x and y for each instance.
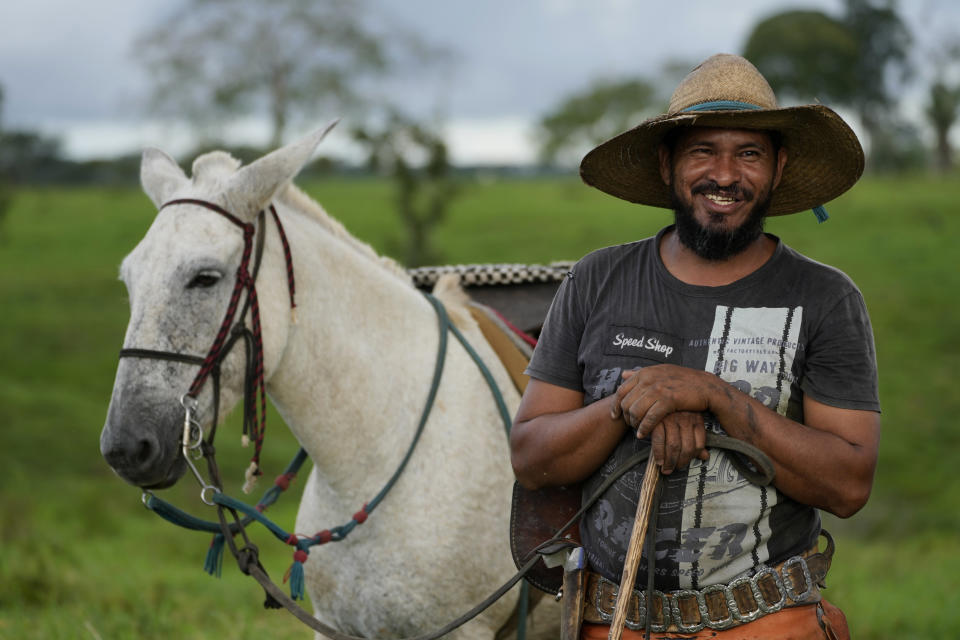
(556, 357)
(841, 366)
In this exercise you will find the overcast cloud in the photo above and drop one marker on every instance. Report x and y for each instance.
(67, 70)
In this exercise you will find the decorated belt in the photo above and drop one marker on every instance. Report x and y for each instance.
(718, 606)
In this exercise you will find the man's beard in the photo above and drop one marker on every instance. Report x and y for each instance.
(718, 245)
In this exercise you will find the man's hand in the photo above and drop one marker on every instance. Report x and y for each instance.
(665, 402)
(677, 440)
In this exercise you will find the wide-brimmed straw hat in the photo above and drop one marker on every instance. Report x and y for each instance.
(824, 157)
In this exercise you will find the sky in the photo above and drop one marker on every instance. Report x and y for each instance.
(67, 67)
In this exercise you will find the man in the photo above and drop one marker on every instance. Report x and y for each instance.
(711, 326)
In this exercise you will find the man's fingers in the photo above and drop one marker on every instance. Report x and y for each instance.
(652, 416)
(700, 439)
(622, 391)
(688, 441)
(672, 448)
(676, 440)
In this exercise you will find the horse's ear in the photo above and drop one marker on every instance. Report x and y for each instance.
(252, 187)
(160, 175)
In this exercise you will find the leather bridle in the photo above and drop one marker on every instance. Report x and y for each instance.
(232, 329)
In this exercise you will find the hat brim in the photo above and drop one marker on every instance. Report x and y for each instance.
(824, 157)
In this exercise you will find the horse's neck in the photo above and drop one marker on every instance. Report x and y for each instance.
(356, 368)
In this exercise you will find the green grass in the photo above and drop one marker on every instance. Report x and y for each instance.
(80, 558)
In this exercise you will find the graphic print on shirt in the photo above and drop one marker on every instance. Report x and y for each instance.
(725, 519)
(605, 383)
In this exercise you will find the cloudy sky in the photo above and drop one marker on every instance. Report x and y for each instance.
(66, 66)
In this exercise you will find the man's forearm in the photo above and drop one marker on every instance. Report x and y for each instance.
(563, 447)
(827, 463)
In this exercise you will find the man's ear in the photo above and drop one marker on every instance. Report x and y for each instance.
(781, 163)
(663, 151)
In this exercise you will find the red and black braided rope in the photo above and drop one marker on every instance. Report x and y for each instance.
(244, 281)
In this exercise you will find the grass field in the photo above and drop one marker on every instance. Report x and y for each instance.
(80, 558)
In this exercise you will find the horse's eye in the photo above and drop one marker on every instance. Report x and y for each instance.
(204, 279)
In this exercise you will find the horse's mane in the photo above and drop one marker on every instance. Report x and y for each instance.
(295, 198)
(447, 288)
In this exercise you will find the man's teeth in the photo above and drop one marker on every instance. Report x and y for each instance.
(719, 199)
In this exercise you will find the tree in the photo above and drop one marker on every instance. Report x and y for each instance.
(587, 118)
(805, 55)
(942, 110)
(6, 188)
(217, 59)
(943, 107)
(855, 60)
(882, 64)
(415, 157)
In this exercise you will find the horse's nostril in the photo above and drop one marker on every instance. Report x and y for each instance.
(144, 452)
(131, 455)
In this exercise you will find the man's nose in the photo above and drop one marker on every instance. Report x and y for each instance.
(724, 170)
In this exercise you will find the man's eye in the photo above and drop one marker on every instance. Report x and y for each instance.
(204, 279)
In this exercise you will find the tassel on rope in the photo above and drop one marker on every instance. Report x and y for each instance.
(295, 574)
(214, 562)
(821, 214)
(250, 477)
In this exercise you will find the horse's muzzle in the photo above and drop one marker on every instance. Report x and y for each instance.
(142, 445)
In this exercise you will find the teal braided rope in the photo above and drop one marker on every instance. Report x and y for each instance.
(523, 612)
(443, 322)
(179, 517)
(494, 389)
(183, 519)
(214, 556)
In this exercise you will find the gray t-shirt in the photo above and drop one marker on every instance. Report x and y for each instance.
(792, 327)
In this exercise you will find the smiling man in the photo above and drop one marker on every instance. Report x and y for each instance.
(712, 326)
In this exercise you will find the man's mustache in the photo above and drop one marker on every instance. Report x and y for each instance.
(710, 187)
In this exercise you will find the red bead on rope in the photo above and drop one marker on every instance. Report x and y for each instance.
(292, 540)
(300, 556)
(283, 481)
(323, 537)
(361, 516)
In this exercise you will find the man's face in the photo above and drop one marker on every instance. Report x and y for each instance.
(722, 181)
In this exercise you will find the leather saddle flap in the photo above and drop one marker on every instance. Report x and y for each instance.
(535, 517)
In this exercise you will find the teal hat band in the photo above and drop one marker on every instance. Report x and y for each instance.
(722, 105)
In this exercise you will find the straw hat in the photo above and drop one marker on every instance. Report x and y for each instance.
(824, 157)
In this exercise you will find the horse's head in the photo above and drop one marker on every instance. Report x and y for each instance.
(180, 279)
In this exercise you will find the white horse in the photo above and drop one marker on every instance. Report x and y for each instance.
(350, 378)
